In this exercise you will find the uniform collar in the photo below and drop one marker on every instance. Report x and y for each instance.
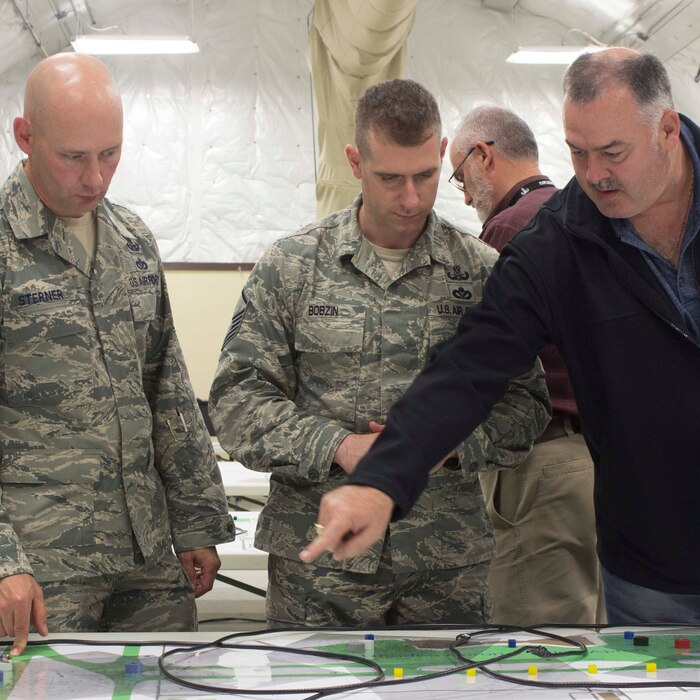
(30, 218)
(431, 244)
(25, 212)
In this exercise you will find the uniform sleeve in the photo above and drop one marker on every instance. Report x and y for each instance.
(13, 560)
(183, 453)
(504, 440)
(252, 398)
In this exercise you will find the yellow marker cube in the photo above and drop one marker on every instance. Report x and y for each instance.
(592, 669)
(398, 673)
(532, 670)
(471, 671)
(651, 667)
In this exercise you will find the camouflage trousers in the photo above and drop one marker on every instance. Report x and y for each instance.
(303, 595)
(146, 598)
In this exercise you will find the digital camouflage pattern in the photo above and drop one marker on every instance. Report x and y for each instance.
(158, 598)
(321, 343)
(105, 458)
(303, 595)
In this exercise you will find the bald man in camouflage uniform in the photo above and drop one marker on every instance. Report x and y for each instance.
(106, 463)
(334, 324)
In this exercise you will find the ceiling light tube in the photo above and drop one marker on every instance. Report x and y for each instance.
(550, 55)
(122, 44)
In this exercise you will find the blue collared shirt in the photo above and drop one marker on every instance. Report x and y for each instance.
(680, 284)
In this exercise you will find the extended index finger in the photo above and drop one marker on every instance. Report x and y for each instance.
(21, 633)
(331, 536)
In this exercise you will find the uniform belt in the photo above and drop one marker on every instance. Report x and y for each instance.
(559, 428)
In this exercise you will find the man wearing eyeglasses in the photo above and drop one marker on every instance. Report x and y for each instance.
(607, 271)
(546, 567)
(335, 323)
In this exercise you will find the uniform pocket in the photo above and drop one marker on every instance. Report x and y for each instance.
(144, 304)
(49, 495)
(328, 363)
(455, 497)
(50, 356)
(443, 320)
(446, 528)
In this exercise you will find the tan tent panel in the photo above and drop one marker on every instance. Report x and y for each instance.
(352, 44)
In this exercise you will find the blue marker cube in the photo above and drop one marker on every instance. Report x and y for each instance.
(133, 668)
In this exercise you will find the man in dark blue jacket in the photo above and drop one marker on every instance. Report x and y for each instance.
(608, 271)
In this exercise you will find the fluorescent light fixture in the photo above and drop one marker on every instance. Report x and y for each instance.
(111, 44)
(551, 55)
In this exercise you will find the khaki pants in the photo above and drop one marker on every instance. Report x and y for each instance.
(155, 598)
(546, 568)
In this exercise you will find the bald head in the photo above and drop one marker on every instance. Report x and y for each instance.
(69, 81)
(71, 131)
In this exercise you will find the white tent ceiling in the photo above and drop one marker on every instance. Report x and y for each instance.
(668, 26)
(672, 26)
(219, 149)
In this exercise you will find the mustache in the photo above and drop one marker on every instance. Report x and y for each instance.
(609, 183)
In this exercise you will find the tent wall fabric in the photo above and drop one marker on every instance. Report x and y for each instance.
(352, 44)
(220, 147)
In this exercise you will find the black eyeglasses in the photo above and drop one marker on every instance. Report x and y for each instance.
(456, 178)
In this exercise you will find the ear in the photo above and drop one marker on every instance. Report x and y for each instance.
(670, 128)
(22, 128)
(352, 153)
(483, 156)
(443, 147)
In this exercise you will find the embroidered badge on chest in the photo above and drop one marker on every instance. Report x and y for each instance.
(461, 293)
(456, 274)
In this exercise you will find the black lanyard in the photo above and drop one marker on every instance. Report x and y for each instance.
(526, 189)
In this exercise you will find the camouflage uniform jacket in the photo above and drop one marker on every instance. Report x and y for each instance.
(324, 341)
(105, 459)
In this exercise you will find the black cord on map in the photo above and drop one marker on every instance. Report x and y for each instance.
(591, 683)
(378, 681)
(462, 640)
(316, 692)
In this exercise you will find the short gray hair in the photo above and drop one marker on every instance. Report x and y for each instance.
(511, 134)
(644, 74)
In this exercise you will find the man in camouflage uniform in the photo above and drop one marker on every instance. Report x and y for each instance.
(335, 322)
(106, 464)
